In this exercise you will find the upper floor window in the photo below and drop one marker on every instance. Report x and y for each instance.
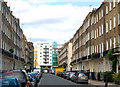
(113, 3)
(102, 12)
(106, 44)
(99, 15)
(119, 18)
(114, 23)
(110, 6)
(110, 24)
(102, 29)
(114, 42)
(99, 30)
(106, 9)
(110, 43)
(106, 26)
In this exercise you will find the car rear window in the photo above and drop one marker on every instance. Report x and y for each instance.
(81, 74)
(19, 75)
(10, 82)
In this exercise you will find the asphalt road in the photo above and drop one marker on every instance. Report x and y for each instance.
(49, 80)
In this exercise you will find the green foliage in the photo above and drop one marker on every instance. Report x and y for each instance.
(109, 74)
(113, 60)
(11, 50)
(116, 77)
(109, 55)
(64, 65)
(92, 56)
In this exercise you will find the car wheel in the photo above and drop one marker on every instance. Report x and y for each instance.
(86, 82)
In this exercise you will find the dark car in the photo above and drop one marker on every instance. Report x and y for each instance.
(66, 74)
(20, 74)
(10, 82)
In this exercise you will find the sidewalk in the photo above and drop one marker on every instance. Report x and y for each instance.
(102, 83)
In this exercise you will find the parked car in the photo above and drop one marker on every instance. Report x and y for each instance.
(72, 75)
(20, 74)
(80, 78)
(66, 74)
(32, 80)
(36, 76)
(10, 82)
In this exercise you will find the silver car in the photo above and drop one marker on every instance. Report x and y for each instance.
(80, 78)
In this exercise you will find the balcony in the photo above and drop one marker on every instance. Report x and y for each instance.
(6, 53)
(105, 52)
(84, 58)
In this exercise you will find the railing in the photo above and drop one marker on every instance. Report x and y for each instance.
(105, 52)
(7, 53)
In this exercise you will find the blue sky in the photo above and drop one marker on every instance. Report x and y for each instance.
(51, 20)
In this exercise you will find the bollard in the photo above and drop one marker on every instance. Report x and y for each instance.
(106, 81)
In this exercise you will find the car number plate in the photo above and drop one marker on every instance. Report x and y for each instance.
(82, 77)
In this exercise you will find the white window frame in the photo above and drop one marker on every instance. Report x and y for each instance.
(106, 44)
(118, 18)
(102, 12)
(114, 42)
(113, 3)
(110, 24)
(95, 34)
(114, 24)
(102, 28)
(110, 6)
(106, 26)
(106, 9)
(99, 30)
(110, 43)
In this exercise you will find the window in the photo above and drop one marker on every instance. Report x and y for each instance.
(95, 49)
(97, 18)
(99, 30)
(110, 43)
(99, 15)
(102, 12)
(114, 42)
(110, 5)
(102, 28)
(110, 24)
(106, 9)
(99, 48)
(106, 44)
(113, 3)
(106, 26)
(114, 24)
(95, 34)
(118, 18)
(102, 47)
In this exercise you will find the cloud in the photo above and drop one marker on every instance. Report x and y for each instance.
(49, 22)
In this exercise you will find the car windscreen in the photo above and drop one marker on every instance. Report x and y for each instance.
(19, 75)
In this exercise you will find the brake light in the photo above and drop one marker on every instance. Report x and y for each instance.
(87, 78)
(27, 84)
(77, 77)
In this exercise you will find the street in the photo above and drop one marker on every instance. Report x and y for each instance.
(52, 80)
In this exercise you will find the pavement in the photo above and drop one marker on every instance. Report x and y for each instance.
(102, 83)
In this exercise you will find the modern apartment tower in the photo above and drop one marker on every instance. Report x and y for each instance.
(43, 55)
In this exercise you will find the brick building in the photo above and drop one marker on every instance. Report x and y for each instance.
(98, 34)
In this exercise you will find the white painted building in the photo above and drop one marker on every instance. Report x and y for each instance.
(43, 55)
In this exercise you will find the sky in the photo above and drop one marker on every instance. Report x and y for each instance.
(51, 20)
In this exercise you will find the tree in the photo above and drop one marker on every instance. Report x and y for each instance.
(11, 50)
(113, 60)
